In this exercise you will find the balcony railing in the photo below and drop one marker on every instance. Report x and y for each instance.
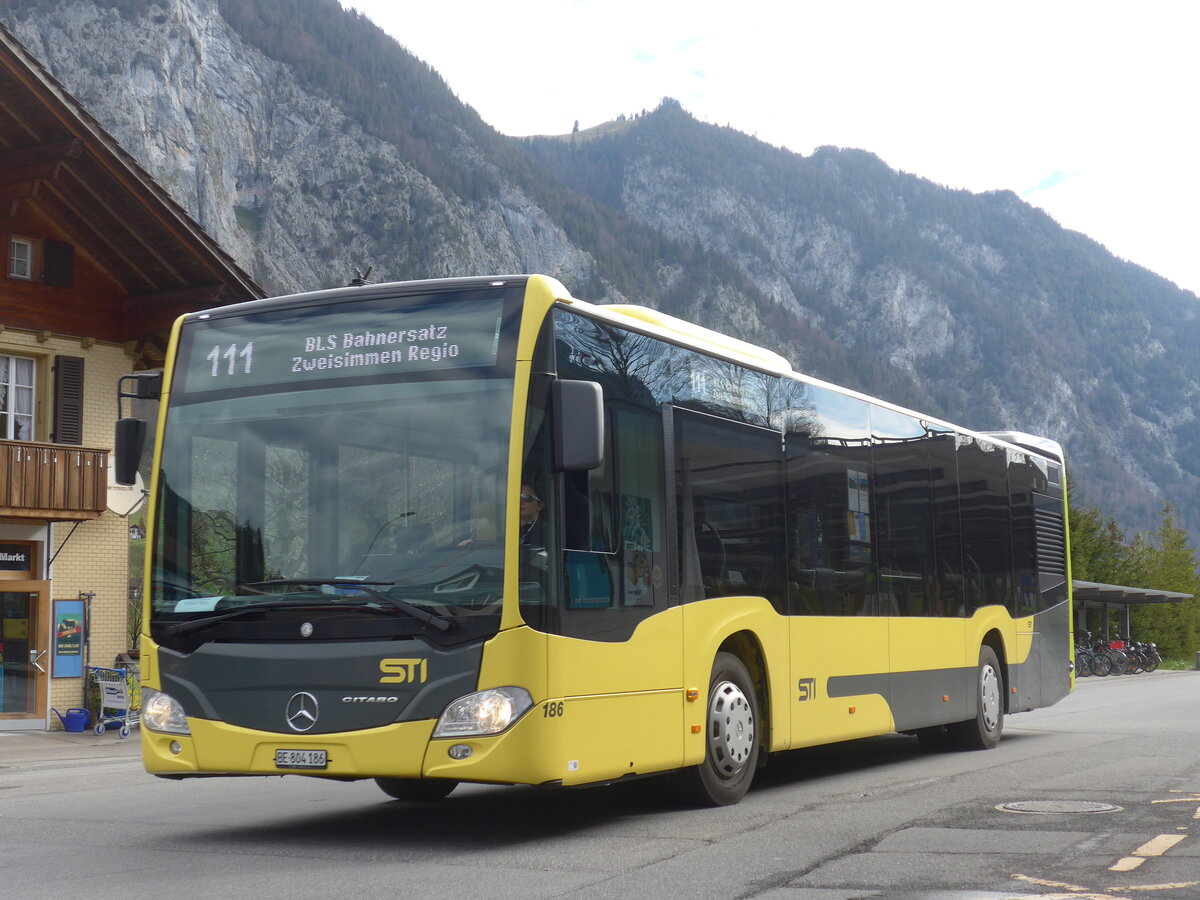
(52, 482)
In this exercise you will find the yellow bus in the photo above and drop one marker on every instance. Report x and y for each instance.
(476, 530)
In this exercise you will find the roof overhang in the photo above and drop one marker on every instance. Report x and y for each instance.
(1092, 592)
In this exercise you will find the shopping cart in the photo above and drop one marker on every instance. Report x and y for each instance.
(113, 703)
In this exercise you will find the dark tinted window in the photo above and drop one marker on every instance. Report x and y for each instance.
(904, 513)
(829, 520)
(986, 523)
(729, 490)
(1022, 474)
(947, 530)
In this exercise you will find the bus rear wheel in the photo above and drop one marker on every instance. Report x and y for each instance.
(731, 737)
(417, 789)
(983, 731)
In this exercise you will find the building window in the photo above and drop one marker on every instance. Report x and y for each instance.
(16, 398)
(20, 258)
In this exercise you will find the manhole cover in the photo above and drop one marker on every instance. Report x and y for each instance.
(1057, 807)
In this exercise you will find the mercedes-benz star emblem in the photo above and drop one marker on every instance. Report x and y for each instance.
(302, 711)
(306, 629)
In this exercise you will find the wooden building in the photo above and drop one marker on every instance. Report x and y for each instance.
(98, 261)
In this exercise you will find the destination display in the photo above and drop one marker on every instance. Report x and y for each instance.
(371, 338)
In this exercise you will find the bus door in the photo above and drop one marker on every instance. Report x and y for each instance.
(729, 499)
(616, 658)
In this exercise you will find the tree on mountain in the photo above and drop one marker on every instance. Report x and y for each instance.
(1171, 566)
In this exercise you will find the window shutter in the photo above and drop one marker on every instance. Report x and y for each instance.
(58, 264)
(68, 400)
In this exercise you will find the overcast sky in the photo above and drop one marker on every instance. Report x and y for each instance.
(1086, 109)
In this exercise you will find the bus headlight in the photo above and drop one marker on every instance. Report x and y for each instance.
(484, 712)
(162, 712)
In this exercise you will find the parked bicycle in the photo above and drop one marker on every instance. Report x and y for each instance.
(1115, 655)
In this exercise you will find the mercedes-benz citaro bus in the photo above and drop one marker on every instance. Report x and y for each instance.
(475, 530)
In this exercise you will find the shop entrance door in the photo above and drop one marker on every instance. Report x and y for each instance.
(25, 654)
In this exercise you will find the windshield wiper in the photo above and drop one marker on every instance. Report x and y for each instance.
(181, 628)
(441, 623)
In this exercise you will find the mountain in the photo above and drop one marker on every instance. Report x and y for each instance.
(312, 145)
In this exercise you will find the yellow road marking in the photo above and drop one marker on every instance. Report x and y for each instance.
(1192, 799)
(1127, 864)
(1159, 845)
(1076, 892)
(1042, 882)
(1154, 847)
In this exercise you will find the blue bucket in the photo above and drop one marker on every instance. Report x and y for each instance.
(76, 720)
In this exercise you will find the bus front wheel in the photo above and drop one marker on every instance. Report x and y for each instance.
(983, 731)
(416, 789)
(731, 737)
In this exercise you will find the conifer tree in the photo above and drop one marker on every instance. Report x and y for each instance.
(1175, 627)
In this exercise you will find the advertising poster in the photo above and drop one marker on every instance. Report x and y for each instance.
(68, 638)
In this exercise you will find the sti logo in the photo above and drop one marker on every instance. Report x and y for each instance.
(807, 688)
(403, 671)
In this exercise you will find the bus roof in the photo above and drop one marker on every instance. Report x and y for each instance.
(641, 318)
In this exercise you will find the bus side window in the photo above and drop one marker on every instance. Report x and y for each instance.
(829, 486)
(729, 485)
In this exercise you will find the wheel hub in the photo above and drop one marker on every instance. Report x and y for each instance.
(730, 728)
(989, 699)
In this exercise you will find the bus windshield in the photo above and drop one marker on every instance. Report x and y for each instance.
(349, 455)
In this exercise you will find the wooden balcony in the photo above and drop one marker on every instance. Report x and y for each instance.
(52, 482)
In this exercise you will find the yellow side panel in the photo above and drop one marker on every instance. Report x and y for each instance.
(623, 734)
(578, 740)
(1022, 642)
(149, 662)
(650, 660)
(920, 644)
(516, 657)
(623, 699)
(826, 648)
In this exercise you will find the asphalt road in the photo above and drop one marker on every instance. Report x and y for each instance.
(1107, 785)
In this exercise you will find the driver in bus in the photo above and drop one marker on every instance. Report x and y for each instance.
(532, 528)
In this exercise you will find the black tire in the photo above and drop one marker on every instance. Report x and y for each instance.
(1120, 662)
(417, 789)
(1152, 661)
(731, 737)
(1101, 664)
(982, 732)
(1083, 665)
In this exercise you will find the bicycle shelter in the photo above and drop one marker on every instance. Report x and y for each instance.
(1109, 597)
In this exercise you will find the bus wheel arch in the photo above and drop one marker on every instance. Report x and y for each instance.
(746, 646)
(733, 730)
(996, 642)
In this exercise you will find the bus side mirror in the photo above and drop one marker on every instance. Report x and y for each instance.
(131, 437)
(131, 432)
(578, 425)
